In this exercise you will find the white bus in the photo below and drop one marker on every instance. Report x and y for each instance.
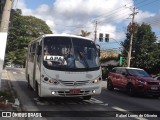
(63, 66)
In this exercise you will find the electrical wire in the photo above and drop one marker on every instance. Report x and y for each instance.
(108, 20)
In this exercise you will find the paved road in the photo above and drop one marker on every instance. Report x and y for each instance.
(107, 104)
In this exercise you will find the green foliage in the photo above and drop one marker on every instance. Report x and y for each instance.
(145, 50)
(106, 70)
(108, 59)
(22, 31)
(84, 33)
(6, 95)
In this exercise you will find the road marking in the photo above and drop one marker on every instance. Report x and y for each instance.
(14, 72)
(104, 104)
(42, 103)
(22, 73)
(119, 109)
(125, 111)
(91, 101)
(96, 101)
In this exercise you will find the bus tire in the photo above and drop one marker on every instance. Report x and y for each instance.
(28, 82)
(36, 89)
(87, 97)
(37, 92)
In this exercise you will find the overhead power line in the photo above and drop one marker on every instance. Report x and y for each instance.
(123, 14)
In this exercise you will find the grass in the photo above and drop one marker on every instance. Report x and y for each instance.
(6, 95)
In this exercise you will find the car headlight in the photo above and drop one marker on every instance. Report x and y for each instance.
(95, 81)
(142, 82)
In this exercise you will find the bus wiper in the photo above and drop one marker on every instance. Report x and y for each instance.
(84, 58)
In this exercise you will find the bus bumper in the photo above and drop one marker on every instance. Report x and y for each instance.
(69, 91)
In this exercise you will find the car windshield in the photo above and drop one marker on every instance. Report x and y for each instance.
(70, 53)
(138, 72)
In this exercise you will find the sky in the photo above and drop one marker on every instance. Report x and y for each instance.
(112, 16)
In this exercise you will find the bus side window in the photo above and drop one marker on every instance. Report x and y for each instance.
(39, 50)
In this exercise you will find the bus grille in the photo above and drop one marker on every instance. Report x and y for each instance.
(75, 83)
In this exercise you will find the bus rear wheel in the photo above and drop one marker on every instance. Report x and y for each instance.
(28, 84)
(87, 97)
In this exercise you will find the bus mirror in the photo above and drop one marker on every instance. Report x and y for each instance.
(39, 49)
(98, 49)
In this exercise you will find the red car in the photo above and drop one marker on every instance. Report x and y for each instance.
(133, 80)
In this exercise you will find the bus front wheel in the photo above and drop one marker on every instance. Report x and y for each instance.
(37, 92)
(36, 89)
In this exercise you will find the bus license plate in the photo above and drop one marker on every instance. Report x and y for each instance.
(154, 88)
(74, 91)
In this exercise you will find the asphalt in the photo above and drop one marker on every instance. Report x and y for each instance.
(7, 108)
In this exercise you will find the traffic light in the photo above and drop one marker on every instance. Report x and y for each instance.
(106, 37)
(101, 37)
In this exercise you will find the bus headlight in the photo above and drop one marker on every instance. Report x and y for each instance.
(95, 81)
(53, 81)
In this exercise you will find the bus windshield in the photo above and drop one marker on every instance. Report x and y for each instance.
(69, 53)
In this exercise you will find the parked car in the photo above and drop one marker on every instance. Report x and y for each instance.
(17, 66)
(133, 80)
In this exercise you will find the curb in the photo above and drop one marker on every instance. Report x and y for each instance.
(16, 104)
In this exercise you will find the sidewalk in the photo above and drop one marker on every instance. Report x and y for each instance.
(7, 97)
(6, 86)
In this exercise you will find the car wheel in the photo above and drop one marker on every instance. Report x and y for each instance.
(110, 85)
(130, 90)
(86, 97)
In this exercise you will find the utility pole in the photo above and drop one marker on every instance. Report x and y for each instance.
(132, 30)
(5, 16)
(4, 32)
(95, 35)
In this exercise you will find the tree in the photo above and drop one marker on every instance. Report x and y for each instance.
(145, 50)
(84, 33)
(21, 32)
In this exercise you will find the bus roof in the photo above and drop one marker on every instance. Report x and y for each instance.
(65, 35)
